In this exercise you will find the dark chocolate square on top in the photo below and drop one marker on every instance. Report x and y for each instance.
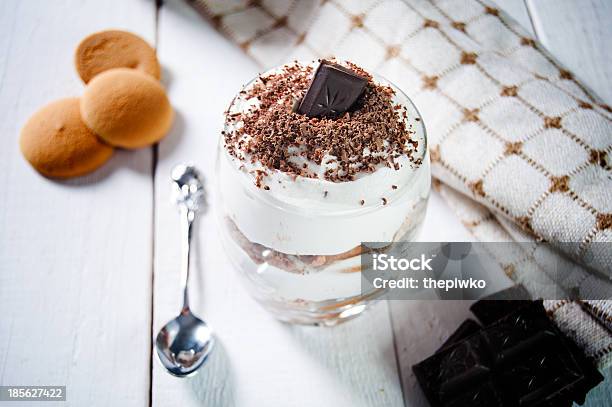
(332, 92)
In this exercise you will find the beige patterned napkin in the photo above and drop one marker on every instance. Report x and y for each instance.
(520, 149)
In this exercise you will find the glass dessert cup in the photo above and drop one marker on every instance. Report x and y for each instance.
(297, 244)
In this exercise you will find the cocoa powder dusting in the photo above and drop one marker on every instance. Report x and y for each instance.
(372, 134)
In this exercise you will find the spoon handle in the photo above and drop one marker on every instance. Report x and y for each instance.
(187, 218)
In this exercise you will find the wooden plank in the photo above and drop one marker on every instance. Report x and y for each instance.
(75, 257)
(258, 361)
(578, 34)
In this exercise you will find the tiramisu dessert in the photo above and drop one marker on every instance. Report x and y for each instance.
(314, 160)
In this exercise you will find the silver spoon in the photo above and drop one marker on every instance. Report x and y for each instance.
(184, 343)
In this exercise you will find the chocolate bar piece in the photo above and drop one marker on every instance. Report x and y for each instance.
(520, 360)
(465, 330)
(332, 92)
(496, 306)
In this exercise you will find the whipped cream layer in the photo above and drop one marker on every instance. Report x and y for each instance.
(312, 215)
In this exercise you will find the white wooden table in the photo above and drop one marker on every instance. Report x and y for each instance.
(89, 268)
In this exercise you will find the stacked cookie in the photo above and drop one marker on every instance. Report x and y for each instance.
(123, 105)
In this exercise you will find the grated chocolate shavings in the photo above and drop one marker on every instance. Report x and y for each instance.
(372, 135)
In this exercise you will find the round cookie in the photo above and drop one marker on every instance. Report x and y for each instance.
(57, 143)
(110, 49)
(126, 108)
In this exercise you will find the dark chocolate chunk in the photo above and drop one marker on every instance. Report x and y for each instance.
(496, 306)
(466, 329)
(332, 92)
(520, 360)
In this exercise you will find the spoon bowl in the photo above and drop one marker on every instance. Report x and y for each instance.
(183, 344)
